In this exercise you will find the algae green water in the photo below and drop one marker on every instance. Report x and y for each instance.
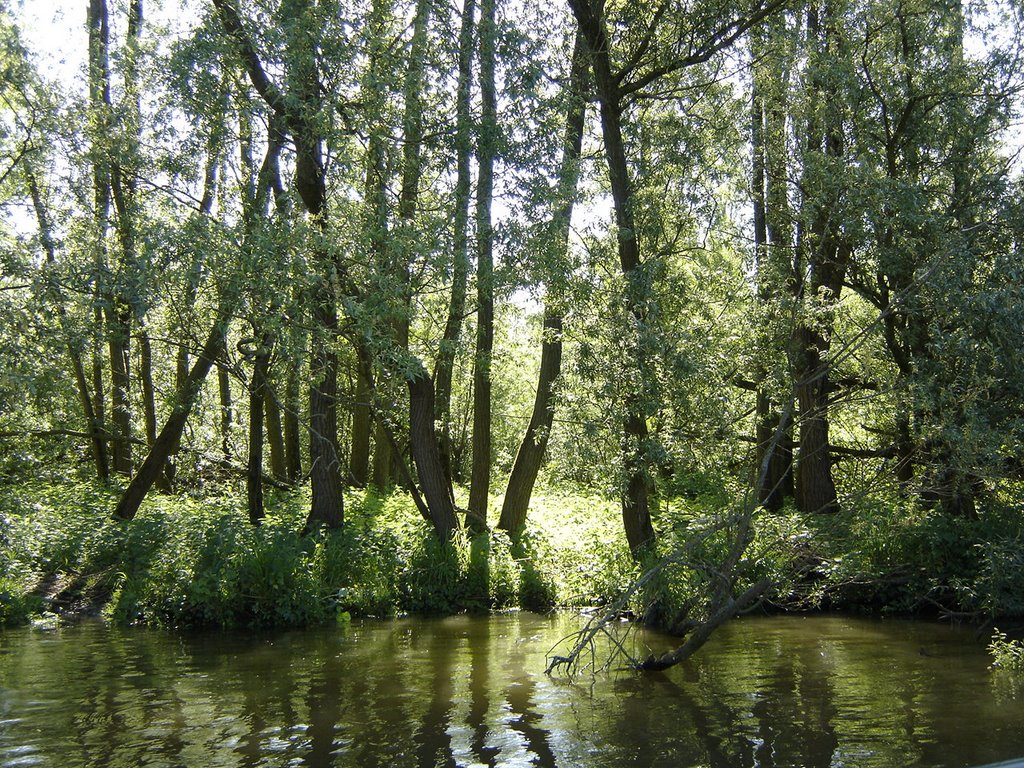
(469, 691)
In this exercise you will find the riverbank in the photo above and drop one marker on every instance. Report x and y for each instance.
(196, 561)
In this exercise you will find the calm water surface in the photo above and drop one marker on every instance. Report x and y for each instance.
(470, 691)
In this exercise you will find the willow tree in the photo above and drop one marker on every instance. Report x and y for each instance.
(655, 44)
(444, 368)
(535, 440)
(299, 108)
(487, 139)
(936, 262)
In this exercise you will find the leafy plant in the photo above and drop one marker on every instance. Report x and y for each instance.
(1006, 654)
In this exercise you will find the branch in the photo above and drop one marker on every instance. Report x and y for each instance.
(718, 41)
(264, 86)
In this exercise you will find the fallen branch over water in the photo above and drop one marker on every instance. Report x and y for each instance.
(603, 625)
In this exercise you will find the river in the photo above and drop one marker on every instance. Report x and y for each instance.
(471, 691)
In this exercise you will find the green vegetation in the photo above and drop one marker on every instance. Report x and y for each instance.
(196, 561)
(750, 272)
(1006, 654)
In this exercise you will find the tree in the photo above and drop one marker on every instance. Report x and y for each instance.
(531, 449)
(297, 109)
(460, 240)
(476, 518)
(647, 61)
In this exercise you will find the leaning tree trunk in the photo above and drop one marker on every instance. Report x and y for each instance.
(436, 487)
(531, 450)
(170, 435)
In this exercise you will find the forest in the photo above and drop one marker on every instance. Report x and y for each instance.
(322, 308)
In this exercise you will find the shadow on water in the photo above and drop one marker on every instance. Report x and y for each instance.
(470, 691)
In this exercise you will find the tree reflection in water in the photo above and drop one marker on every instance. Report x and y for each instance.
(461, 691)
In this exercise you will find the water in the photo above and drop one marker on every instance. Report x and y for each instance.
(462, 691)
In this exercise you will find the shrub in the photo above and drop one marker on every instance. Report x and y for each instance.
(1006, 654)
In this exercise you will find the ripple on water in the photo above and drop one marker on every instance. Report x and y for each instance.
(471, 690)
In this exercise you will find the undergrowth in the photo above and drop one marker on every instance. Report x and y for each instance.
(196, 561)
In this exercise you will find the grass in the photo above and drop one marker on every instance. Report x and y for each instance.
(196, 561)
(187, 561)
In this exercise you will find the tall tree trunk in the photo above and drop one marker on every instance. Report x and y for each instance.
(816, 490)
(227, 409)
(257, 399)
(383, 471)
(449, 346)
(116, 314)
(275, 434)
(125, 307)
(773, 254)
(359, 457)
(480, 477)
(93, 427)
(148, 388)
(636, 514)
(531, 450)
(821, 256)
(383, 253)
(436, 487)
(99, 98)
(292, 432)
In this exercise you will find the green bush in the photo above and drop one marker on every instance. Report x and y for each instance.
(196, 561)
(1006, 654)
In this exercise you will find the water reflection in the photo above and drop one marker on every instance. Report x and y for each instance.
(471, 692)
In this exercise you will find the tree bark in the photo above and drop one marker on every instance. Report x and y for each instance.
(359, 458)
(480, 477)
(449, 345)
(636, 514)
(437, 489)
(531, 450)
(275, 433)
(227, 414)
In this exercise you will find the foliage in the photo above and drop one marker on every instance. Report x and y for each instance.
(1006, 654)
(196, 561)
